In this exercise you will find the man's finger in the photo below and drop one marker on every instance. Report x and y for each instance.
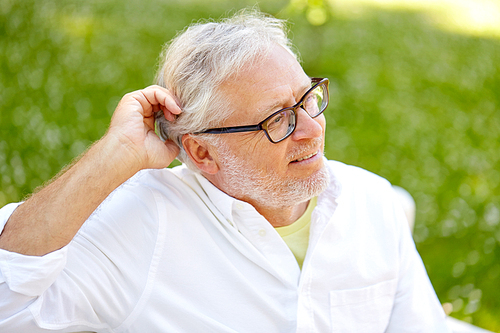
(156, 95)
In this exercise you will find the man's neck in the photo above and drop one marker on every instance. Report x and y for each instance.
(281, 216)
(276, 215)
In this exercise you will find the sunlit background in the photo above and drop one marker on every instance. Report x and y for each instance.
(415, 98)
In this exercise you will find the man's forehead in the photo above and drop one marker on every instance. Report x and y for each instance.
(251, 103)
(274, 81)
(281, 101)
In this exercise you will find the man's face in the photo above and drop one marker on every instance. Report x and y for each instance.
(251, 167)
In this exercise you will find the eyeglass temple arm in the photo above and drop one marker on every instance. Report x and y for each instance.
(236, 129)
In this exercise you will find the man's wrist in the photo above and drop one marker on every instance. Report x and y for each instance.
(118, 157)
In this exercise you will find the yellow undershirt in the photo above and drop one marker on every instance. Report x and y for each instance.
(296, 235)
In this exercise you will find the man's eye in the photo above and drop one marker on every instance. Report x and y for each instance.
(279, 118)
(311, 99)
(277, 121)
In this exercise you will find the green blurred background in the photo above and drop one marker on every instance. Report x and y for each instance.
(415, 98)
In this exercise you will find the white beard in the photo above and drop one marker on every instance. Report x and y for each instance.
(241, 180)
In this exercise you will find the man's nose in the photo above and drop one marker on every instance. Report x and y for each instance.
(307, 127)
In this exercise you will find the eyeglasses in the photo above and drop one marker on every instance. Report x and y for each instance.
(281, 124)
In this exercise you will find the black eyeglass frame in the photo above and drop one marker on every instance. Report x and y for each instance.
(262, 125)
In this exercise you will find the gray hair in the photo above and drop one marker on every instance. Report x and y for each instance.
(204, 56)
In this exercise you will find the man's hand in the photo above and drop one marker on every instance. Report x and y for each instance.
(50, 218)
(133, 125)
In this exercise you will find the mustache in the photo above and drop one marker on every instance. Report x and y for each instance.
(304, 149)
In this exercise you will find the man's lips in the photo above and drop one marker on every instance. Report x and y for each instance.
(306, 151)
(305, 157)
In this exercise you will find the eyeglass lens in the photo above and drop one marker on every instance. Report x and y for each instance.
(283, 123)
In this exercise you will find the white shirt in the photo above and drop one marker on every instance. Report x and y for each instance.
(169, 252)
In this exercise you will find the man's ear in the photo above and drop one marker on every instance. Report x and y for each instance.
(200, 154)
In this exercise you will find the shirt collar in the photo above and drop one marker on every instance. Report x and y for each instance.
(328, 199)
(335, 187)
(223, 202)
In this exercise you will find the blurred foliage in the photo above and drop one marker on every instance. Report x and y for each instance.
(316, 11)
(413, 103)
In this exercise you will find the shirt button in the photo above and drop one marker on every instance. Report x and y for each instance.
(262, 232)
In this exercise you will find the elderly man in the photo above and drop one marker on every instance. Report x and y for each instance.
(257, 232)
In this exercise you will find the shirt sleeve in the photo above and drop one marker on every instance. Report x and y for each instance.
(416, 306)
(23, 278)
(28, 275)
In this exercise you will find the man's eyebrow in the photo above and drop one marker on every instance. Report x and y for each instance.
(272, 107)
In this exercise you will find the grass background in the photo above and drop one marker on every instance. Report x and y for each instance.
(411, 101)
